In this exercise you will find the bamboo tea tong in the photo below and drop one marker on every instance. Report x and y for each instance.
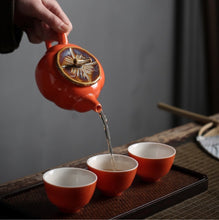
(208, 135)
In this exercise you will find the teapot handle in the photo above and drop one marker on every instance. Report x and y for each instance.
(63, 39)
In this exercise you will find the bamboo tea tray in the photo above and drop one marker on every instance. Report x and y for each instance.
(26, 197)
(139, 201)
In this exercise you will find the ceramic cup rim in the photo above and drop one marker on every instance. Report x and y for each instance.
(132, 146)
(113, 171)
(70, 168)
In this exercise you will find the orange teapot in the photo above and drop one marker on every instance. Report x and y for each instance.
(70, 76)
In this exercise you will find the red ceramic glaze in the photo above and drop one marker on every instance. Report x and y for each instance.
(70, 76)
(69, 199)
(113, 182)
(63, 197)
(152, 169)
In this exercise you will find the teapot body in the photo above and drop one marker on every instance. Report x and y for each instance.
(61, 90)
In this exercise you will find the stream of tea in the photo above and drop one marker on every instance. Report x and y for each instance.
(108, 138)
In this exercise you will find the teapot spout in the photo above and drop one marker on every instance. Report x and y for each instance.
(94, 103)
(87, 103)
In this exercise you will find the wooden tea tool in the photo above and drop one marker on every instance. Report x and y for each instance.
(208, 135)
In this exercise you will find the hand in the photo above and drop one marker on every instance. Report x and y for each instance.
(42, 20)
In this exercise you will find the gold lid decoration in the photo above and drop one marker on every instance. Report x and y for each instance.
(78, 65)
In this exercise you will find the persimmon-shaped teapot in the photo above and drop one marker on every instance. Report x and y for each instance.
(70, 76)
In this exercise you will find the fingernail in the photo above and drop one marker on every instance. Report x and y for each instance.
(63, 27)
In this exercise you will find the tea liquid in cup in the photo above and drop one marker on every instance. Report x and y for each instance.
(69, 188)
(155, 159)
(115, 172)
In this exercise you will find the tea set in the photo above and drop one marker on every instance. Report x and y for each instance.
(70, 189)
(72, 78)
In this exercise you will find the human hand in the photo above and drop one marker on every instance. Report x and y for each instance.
(42, 20)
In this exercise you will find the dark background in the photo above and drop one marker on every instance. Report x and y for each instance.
(151, 51)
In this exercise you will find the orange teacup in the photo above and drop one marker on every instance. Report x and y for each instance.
(114, 175)
(155, 159)
(69, 188)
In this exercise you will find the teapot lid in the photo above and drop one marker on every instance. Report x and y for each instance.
(78, 65)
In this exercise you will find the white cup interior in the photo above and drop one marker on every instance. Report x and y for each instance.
(152, 150)
(115, 163)
(69, 177)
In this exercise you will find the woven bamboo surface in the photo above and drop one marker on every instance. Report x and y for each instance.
(34, 203)
(189, 155)
(205, 205)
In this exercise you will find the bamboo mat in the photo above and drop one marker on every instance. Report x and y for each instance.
(33, 203)
(29, 200)
(204, 205)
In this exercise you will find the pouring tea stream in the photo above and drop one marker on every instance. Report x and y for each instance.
(72, 78)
